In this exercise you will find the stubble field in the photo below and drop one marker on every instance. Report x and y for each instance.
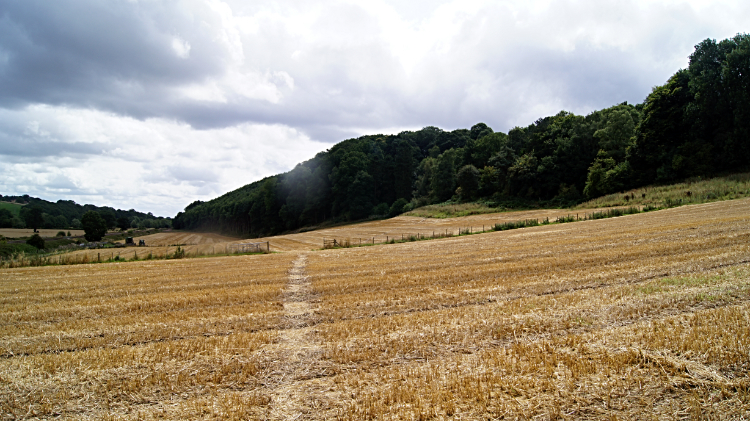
(184, 238)
(28, 232)
(639, 317)
(165, 244)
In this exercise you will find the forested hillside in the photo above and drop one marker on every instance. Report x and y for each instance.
(66, 214)
(696, 124)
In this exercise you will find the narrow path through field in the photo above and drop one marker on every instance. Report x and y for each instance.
(298, 393)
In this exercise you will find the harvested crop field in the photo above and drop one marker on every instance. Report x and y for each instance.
(394, 228)
(185, 238)
(638, 317)
(205, 244)
(28, 232)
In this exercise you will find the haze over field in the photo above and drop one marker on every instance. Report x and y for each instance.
(154, 105)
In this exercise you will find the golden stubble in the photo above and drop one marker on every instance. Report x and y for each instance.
(638, 317)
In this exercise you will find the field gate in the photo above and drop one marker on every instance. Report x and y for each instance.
(250, 248)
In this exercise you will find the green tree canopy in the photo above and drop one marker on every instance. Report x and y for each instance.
(444, 177)
(6, 218)
(618, 131)
(123, 223)
(468, 181)
(93, 225)
(32, 216)
(397, 207)
(36, 241)
(110, 219)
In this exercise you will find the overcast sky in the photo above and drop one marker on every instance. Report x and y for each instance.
(154, 104)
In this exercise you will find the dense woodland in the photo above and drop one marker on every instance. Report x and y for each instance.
(697, 124)
(67, 214)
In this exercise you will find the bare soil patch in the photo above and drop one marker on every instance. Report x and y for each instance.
(298, 381)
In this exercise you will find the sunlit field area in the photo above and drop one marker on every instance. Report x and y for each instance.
(192, 244)
(644, 316)
(185, 238)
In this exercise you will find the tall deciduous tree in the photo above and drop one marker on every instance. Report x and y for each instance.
(662, 131)
(404, 170)
(123, 223)
(468, 181)
(361, 196)
(33, 217)
(93, 225)
(617, 131)
(444, 176)
(6, 218)
(110, 219)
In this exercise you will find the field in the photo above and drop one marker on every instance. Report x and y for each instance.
(28, 232)
(400, 226)
(638, 317)
(166, 244)
(206, 244)
(184, 238)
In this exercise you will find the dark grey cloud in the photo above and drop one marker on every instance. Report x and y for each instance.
(139, 59)
(46, 149)
(100, 54)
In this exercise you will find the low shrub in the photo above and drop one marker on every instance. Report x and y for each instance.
(8, 251)
(36, 240)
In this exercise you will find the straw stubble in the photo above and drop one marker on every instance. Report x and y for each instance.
(638, 317)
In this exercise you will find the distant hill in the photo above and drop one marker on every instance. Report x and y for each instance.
(697, 124)
(66, 214)
(13, 208)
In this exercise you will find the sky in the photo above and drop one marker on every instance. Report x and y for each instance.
(155, 104)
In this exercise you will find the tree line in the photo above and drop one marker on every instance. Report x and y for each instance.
(696, 124)
(66, 214)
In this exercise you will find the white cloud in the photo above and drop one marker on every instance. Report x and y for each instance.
(181, 47)
(156, 165)
(268, 87)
